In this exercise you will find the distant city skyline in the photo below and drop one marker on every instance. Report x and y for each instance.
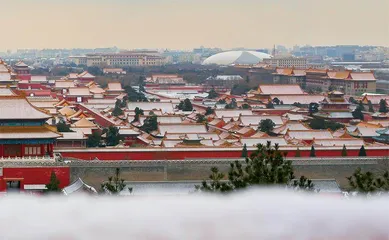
(173, 24)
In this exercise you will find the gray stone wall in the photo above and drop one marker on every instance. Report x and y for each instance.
(95, 172)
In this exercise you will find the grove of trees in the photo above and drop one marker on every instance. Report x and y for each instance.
(185, 105)
(265, 166)
(368, 183)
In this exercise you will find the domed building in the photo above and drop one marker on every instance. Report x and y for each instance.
(236, 57)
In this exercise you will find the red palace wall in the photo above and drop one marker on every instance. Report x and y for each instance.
(185, 154)
(34, 175)
(24, 77)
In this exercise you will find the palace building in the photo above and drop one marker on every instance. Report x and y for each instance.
(22, 71)
(335, 108)
(27, 157)
(23, 129)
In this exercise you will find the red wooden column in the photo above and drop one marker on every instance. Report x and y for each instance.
(51, 147)
(1, 150)
(42, 150)
(22, 152)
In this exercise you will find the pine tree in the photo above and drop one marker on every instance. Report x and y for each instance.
(94, 139)
(358, 114)
(117, 111)
(245, 106)
(371, 108)
(266, 126)
(113, 137)
(383, 108)
(313, 108)
(123, 103)
(362, 152)
(276, 101)
(303, 184)
(209, 111)
(352, 100)
(63, 127)
(344, 151)
(53, 185)
(201, 118)
(298, 153)
(185, 105)
(270, 105)
(138, 112)
(212, 94)
(313, 152)
(244, 151)
(150, 124)
(361, 106)
(232, 104)
(115, 184)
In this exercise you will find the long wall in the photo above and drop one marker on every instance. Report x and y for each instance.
(203, 153)
(95, 172)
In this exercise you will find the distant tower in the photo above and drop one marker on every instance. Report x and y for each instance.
(274, 51)
(22, 71)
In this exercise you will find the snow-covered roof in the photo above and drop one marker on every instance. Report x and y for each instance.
(96, 90)
(295, 117)
(64, 84)
(31, 132)
(254, 120)
(115, 86)
(78, 187)
(166, 107)
(290, 126)
(280, 89)
(310, 134)
(164, 119)
(302, 99)
(366, 132)
(6, 92)
(78, 135)
(181, 128)
(66, 111)
(255, 141)
(84, 123)
(128, 131)
(38, 79)
(79, 91)
(16, 107)
(339, 142)
(234, 113)
(85, 74)
(21, 64)
(226, 77)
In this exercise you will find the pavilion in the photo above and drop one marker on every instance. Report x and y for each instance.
(23, 129)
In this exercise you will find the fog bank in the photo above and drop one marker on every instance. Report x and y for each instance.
(260, 214)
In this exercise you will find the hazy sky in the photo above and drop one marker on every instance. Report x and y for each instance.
(186, 24)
